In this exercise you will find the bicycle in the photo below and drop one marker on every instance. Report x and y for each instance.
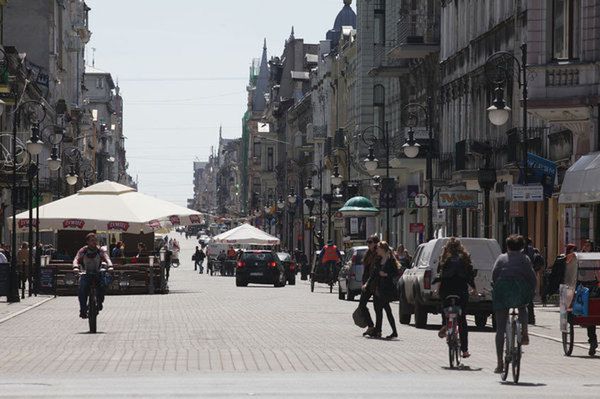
(452, 313)
(513, 352)
(92, 300)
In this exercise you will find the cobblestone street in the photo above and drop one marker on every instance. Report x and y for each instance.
(207, 330)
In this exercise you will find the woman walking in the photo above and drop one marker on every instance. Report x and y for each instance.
(384, 274)
(456, 275)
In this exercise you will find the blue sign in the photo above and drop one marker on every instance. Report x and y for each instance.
(541, 171)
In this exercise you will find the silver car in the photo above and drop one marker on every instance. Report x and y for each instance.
(351, 274)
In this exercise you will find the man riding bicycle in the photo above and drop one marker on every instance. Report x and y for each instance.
(514, 286)
(330, 256)
(90, 257)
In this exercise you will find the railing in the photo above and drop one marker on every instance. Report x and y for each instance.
(446, 166)
(557, 77)
(417, 28)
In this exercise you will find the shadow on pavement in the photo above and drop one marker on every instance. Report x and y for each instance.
(462, 368)
(523, 384)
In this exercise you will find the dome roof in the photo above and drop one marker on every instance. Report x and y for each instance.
(359, 206)
(346, 17)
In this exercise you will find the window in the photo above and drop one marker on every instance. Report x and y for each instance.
(379, 106)
(257, 151)
(270, 159)
(100, 83)
(565, 29)
(379, 27)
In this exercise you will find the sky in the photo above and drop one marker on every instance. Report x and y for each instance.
(182, 66)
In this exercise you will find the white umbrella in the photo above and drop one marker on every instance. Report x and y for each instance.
(246, 234)
(110, 206)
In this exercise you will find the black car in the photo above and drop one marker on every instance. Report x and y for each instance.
(289, 265)
(259, 267)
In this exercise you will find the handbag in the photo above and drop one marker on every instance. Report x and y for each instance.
(361, 316)
(582, 299)
(194, 257)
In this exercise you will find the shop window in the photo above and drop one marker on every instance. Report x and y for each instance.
(565, 29)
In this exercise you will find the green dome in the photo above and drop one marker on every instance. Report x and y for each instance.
(359, 206)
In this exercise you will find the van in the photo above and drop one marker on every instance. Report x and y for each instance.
(418, 294)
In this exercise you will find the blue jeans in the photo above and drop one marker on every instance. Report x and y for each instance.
(85, 282)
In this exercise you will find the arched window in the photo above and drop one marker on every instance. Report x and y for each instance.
(379, 105)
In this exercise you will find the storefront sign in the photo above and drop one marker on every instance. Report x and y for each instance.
(529, 193)
(541, 171)
(417, 228)
(73, 224)
(411, 192)
(47, 278)
(458, 199)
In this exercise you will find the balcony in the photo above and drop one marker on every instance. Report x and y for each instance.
(564, 92)
(418, 36)
(386, 64)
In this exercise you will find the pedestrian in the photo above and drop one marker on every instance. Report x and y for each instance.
(199, 260)
(591, 330)
(141, 248)
(3, 257)
(118, 250)
(196, 258)
(385, 289)
(329, 258)
(456, 276)
(175, 249)
(23, 267)
(403, 257)
(370, 261)
(538, 263)
(168, 259)
(514, 286)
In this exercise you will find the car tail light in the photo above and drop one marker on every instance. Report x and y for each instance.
(352, 274)
(354, 259)
(292, 266)
(241, 264)
(273, 264)
(427, 280)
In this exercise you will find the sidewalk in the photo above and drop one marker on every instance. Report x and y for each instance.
(10, 310)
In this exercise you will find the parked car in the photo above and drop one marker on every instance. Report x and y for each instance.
(259, 267)
(418, 294)
(351, 273)
(289, 266)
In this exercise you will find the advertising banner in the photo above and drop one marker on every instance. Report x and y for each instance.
(458, 199)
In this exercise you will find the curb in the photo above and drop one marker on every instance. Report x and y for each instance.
(20, 312)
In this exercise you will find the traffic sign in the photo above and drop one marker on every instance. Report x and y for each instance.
(421, 200)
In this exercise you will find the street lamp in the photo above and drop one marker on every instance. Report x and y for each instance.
(292, 198)
(72, 176)
(35, 145)
(336, 178)
(411, 149)
(501, 64)
(372, 163)
(308, 190)
(280, 203)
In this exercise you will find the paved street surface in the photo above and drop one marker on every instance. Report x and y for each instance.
(208, 338)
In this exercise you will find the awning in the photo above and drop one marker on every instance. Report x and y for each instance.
(246, 235)
(581, 184)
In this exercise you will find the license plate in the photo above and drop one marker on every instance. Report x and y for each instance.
(256, 274)
(452, 315)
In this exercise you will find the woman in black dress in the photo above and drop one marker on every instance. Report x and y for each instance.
(384, 273)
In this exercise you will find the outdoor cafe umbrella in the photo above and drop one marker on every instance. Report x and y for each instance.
(246, 235)
(110, 206)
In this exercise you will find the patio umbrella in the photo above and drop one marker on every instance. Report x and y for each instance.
(110, 206)
(246, 234)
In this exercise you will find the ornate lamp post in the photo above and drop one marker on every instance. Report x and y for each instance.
(499, 66)
(411, 148)
(372, 163)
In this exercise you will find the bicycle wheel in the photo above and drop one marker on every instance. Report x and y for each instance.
(92, 310)
(507, 351)
(457, 353)
(516, 352)
(451, 354)
(568, 339)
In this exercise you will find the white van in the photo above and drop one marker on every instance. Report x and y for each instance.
(415, 286)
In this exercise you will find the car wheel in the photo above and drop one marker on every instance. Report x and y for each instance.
(239, 283)
(341, 295)
(481, 320)
(420, 315)
(292, 281)
(404, 313)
